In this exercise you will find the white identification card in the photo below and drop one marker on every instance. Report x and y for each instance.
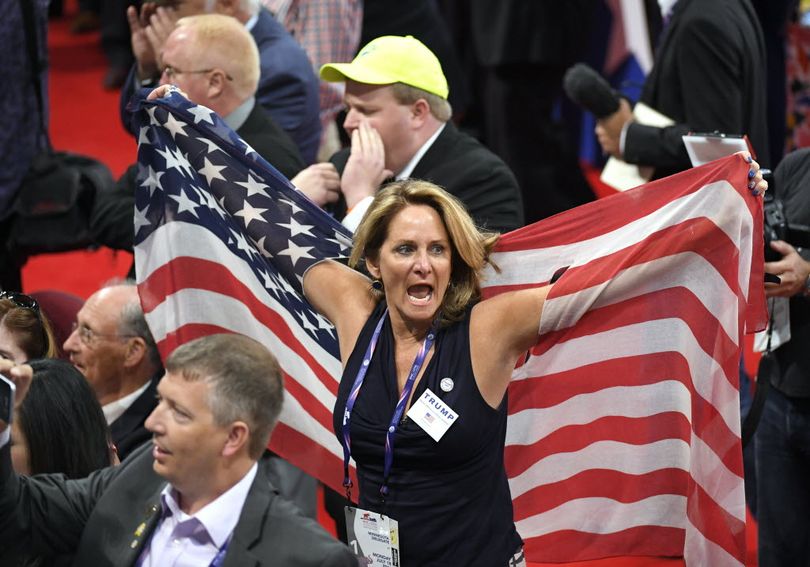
(373, 538)
(433, 415)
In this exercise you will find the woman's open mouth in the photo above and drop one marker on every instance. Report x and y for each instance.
(420, 294)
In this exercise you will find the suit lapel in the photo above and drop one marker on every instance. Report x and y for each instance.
(143, 526)
(135, 414)
(651, 83)
(436, 153)
(251, 525)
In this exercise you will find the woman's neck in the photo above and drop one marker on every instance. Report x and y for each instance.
(408, 332)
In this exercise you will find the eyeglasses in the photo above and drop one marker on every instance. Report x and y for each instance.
(172, 71)
(89, 337)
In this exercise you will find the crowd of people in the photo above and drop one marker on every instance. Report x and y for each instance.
(181, 444)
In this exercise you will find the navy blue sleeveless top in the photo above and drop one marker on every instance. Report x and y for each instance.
(451, 498)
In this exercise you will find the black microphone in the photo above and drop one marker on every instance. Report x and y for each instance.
(590, 90)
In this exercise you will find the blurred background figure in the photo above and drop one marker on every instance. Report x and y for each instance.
(724, 92)
(329, 31)
(519, 51)
(288, 87)
(22, 135)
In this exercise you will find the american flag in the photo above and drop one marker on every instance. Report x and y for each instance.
(624, 432)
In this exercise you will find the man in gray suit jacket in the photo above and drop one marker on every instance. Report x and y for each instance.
(194, 491)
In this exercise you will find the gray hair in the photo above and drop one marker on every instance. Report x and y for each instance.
(131, 321)
(407, 94)
(244, 378)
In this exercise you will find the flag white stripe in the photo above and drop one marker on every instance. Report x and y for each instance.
(531, 425)
(606, 516)
(721, 484)
(610, 455)
(658, 336)
(699, 551)
(688, 270)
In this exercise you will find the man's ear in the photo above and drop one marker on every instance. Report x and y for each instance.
(420, 111)
(216, 84)
(238, 437)
(136, 352)
(373, 267)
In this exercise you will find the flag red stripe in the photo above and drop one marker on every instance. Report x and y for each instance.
(666, 242)
(312, 405)
(603, 483)
(670, 303)
(639, 370)
(567, 546)
(305, 453)
(714, 522)
(635, 431)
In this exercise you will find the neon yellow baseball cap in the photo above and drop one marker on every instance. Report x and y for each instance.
(392, 59)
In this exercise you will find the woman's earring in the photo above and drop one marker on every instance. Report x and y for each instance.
(377, 285)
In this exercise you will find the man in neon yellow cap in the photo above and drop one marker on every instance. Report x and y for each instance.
(398, 119)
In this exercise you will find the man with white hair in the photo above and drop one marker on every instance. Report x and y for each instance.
(288, 87)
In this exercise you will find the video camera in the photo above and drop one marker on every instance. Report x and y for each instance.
(778, 227)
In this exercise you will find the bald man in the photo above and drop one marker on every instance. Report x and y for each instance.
(112, 347)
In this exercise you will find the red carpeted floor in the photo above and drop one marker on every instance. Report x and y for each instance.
(84, 119)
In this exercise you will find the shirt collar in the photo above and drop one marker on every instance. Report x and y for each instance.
(116, 409)
(252, 21)
(240, 114)
(667, 6)
(411, 165)
(219, 518)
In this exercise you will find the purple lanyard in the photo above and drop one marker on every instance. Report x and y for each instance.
(403, 399)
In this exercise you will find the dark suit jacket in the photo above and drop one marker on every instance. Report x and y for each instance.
(709, 74)
(288, 86)
(111, 216)
(464, 167)
(128, 431)
(99, 518)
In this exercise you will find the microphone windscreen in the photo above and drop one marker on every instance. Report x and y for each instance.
(589, 90)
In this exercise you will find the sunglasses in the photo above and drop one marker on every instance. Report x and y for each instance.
(24, 301)
(21, 300)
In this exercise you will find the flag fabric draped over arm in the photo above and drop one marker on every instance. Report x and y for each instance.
(623, 434)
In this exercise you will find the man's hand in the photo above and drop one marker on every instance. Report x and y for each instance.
(145, 56)
(365, 169)
(320, 182)
(21, 375)
(148, 34)
(792, 269)
(164, 90)
(609, 130)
